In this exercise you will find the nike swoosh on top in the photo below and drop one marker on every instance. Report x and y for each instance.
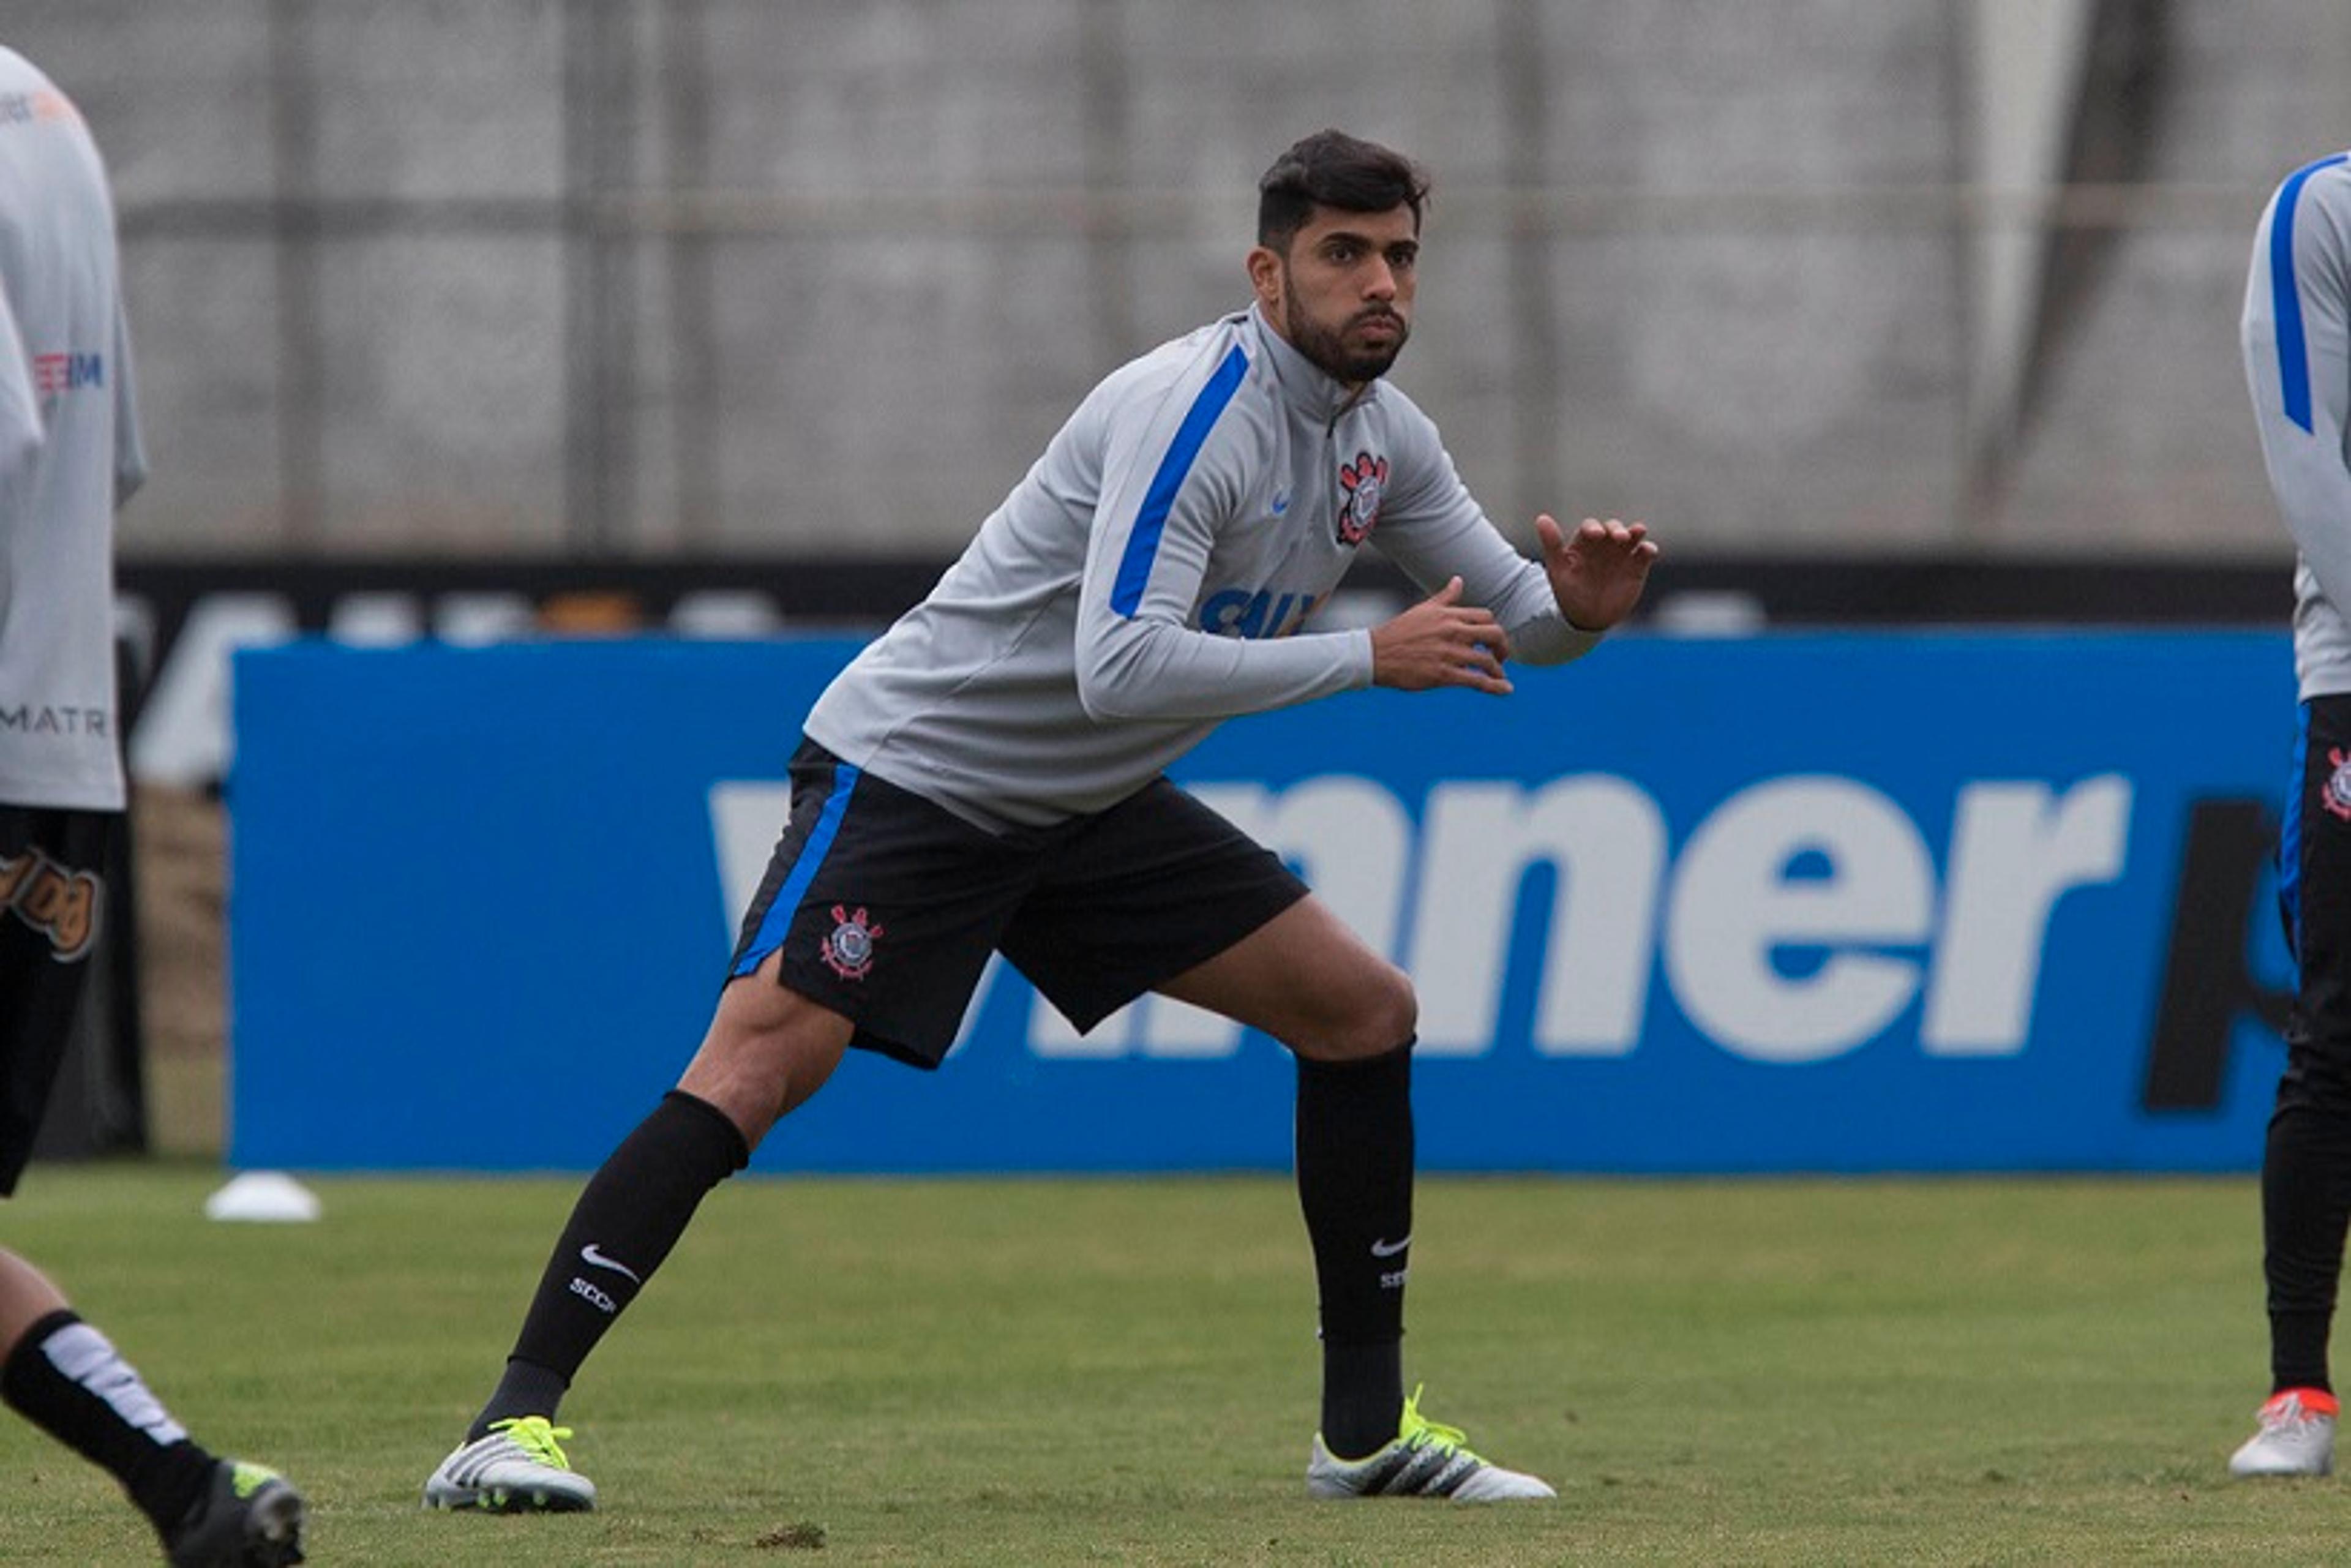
(591, 1254)
(1389, 1249)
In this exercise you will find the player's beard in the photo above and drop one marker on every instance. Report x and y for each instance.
(1328, 350)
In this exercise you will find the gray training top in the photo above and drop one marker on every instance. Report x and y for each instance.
(69, 452)
(2297, 342)
(1155, 573)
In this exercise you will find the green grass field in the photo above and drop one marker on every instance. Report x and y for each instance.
(1966, 1372)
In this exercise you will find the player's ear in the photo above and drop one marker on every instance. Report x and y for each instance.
(1267, 275)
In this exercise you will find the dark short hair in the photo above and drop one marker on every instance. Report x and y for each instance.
(1333, 168)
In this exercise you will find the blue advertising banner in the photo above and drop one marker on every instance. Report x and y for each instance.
(1848, 902)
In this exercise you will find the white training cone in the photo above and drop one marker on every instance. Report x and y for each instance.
(264, 1196)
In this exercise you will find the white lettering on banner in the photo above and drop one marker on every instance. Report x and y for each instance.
(746, 817)
(1817, 864)
(1735, 904)
(2011, 858)
(1607, 841)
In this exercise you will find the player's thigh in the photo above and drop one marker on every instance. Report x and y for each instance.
(1308, 980)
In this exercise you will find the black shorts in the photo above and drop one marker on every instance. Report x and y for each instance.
(52, 904)
(2314, 880)
(886, 906)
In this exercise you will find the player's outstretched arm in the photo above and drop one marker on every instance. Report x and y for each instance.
(1598, 574)
(1441, 641)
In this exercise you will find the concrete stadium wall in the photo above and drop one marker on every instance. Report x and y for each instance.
(726, 276)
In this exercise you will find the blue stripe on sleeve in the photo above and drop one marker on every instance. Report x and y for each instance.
(1143, 543)
(777, 921)
(2285, 299)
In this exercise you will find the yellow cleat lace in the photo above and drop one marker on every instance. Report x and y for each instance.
(536, 1436)
(1418, 1432)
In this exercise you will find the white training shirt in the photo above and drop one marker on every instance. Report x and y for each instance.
(2297, 343)
(1157, 572)
(69, 452)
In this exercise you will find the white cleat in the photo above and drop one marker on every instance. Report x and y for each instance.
(2296, 1437)
(517, 1467)
(1425, 1459)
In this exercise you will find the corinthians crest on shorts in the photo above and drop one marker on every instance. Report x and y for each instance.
(849, 950)
(2336, 793)
(1360, 484)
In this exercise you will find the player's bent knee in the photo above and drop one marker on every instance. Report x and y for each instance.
(1393, 1009)
(756, 1080)
(1377, 1012)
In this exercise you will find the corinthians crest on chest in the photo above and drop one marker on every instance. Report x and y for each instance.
(1361, 482)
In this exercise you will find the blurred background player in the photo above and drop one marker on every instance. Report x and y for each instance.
(69, 454)
(989, 776)
(2297, 305)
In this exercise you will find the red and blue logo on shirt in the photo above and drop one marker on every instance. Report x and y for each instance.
(54, 375)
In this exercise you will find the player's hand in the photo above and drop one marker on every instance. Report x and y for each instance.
(1441, 641)
(1597, 575)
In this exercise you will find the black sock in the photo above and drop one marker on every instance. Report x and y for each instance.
(630, 1214)
(2305, 1202)
(524, 1388)
(1355, 1185)
(68, 1380)
(1363, 1396)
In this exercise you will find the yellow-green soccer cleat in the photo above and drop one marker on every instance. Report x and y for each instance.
(1427, 1459)
(517, 1467)
(250, 1517)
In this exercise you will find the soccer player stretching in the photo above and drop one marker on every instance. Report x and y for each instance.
(2296, 360)
(988, 776)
